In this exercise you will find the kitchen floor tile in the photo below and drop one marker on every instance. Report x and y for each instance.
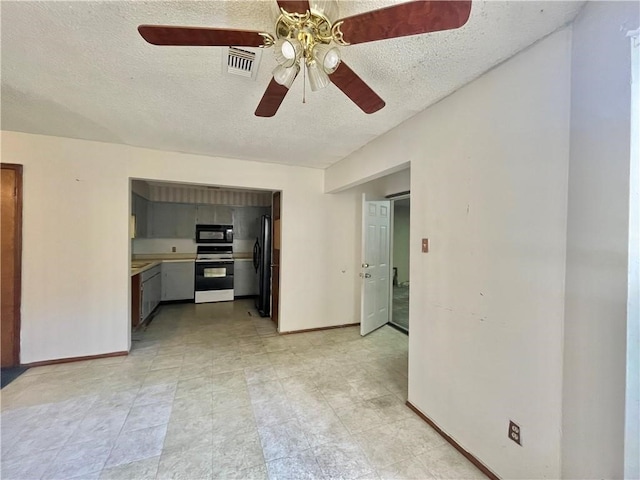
(196, 463)
(137, 445)
(283, 440)
(301, 466)
(141, 470)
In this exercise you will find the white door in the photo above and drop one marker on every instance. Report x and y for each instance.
(375, 265)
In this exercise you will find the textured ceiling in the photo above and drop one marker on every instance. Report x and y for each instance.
(79, 69)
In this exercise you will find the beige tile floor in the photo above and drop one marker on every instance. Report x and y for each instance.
(211, 391)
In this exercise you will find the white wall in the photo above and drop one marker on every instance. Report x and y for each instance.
(597, 243)
(488, 187)
(76, 247)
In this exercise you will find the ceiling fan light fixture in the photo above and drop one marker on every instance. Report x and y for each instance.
(286, 75)
(287, 51)
(318, 79)
(327, 56)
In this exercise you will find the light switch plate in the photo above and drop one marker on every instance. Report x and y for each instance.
(425, 245)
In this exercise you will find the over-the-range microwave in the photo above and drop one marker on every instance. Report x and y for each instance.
(214, 233)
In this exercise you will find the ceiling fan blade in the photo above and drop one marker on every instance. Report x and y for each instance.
(271, 100)
(294, 6)
(199, 36)
(354, 87)
(411, 18)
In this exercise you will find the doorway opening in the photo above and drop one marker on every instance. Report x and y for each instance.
(189, 239)
(399, 298)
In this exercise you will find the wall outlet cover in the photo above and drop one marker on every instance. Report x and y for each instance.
(515, 432)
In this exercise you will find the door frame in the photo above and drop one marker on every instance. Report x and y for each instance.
(393, 198)
(276, 259)
(17, 272)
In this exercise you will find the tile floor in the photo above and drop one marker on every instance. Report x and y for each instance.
(400, 308)
(210, 391)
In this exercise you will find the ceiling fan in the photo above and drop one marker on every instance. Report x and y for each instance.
(307, 33)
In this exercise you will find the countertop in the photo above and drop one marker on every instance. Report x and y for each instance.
(143, 262)
(139, 266)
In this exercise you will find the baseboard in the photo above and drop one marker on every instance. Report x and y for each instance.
(74, 359)
(399, 328)
(306, 330)
(174, 302)
(469, 456)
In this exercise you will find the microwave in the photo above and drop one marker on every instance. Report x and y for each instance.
(214, 233)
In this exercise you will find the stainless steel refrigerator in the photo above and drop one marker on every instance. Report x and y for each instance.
(262, 264)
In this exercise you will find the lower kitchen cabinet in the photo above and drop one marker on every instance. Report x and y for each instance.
(177, 280)
(245, 278)
(150, 291)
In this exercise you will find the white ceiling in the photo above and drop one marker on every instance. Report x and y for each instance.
(80, 69)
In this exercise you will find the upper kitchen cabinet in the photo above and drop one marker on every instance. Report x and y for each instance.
(214, 214)
(139, 207)
(171, 220)
(246, 222)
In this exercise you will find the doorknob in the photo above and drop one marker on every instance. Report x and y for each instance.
(365, 275)
(365, 265)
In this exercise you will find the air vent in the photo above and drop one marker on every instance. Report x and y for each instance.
(242, 62)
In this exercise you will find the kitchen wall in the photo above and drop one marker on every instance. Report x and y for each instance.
(145, 246)
(595, 326)
(489, 189)
(214, 196)
(76, 245)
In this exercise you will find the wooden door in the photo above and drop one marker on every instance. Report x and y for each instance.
(11, 255)
(275, 259)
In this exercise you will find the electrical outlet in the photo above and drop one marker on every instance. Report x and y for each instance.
(515, 433)
(173, 249)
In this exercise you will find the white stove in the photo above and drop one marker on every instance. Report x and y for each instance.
(214, 273)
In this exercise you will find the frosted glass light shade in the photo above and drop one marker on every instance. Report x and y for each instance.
(286, 75)
(287, 51)
(317, 78)
(328, 8)
(327, 56)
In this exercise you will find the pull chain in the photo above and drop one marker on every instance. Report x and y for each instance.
(304, 82)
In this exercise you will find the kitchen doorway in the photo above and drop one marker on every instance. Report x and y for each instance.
(400, 261)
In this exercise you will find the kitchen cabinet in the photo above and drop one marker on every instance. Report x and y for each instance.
(150, 291)
(177, 280)
(139, 207)
(178, 220)
(214, 214)
(205, 214)
(246, 222)
(172, 220)
(245, 278)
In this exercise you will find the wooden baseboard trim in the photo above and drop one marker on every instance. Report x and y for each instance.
(74, 359)
(469, 456)
(306, 330)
